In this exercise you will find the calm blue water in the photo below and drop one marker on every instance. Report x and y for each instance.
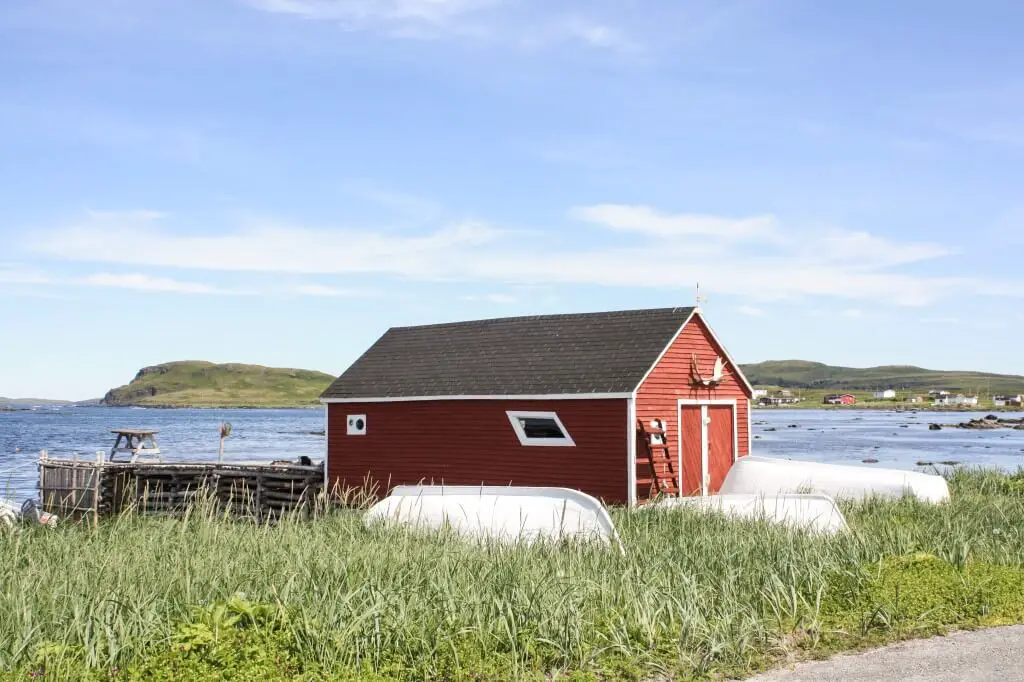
(842, 436)
(183, 435)
(896, 439)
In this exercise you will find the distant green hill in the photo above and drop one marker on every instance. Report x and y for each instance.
(205, 384)
(33, 401)
(815, 375)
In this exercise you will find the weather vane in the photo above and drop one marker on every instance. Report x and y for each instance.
(698, 298)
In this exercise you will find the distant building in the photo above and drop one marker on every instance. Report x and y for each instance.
(958, 399)
(840, 399)
(887, 394)
(1008, 400)
(760, 393)
(776, 400)
(776, 397)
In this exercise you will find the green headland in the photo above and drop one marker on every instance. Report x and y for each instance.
(205, 384)
(815, 375)
(812, 381)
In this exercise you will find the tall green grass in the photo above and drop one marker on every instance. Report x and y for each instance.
(694, 595)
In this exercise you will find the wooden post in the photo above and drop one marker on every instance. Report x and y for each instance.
(96, 476)
(42, 478)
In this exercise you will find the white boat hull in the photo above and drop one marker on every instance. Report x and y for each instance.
(30, 512)
(768, 476)
(817, 514)
(8, 514)
(508, 514)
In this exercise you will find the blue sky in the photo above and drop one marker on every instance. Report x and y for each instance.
(279, 181)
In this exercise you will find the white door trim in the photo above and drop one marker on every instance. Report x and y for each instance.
(327, 450)
(750, 433)
(705, 477)
(705, 474)
(631, 437)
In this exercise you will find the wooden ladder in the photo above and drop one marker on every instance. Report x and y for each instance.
(659, 458)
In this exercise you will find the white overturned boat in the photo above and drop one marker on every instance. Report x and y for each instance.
(505, 513)
(30, 512)
(768, 476)
(8, 513)
(815, 513)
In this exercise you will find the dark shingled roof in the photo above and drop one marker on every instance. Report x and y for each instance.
(541, 355)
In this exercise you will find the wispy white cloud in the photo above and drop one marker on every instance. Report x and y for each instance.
(528, 24)
(149, 283)
(398, 18)
(491, 298)
(759, 259)
(13, 273)
(581, 30)
(750, 310)
(853, 312)
(401, 203)
(599, 35)
(111, 130)
(647, 221)
(369, 10)
(868, 250)
(265, 247)
(327, 291)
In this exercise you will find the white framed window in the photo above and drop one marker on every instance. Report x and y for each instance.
(540, 428)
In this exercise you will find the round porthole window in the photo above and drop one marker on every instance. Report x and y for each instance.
(360, 424)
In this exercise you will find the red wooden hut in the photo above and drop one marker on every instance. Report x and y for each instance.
(553, 400)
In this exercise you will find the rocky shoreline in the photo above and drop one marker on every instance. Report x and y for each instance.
(989, 421)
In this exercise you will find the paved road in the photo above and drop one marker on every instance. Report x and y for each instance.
(996, 654)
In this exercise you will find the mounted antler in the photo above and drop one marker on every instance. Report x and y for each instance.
(716, 376)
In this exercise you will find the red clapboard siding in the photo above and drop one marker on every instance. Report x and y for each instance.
(471, 442)
(720, 445)
(692, 453)
(670, 381)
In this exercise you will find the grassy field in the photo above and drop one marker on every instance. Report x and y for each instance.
(693, 597)
(204, 384)
(800, 374)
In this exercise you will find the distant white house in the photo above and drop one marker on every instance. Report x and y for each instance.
(949, 399)
(1008, 400)
(760, 393)
(887, 394)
